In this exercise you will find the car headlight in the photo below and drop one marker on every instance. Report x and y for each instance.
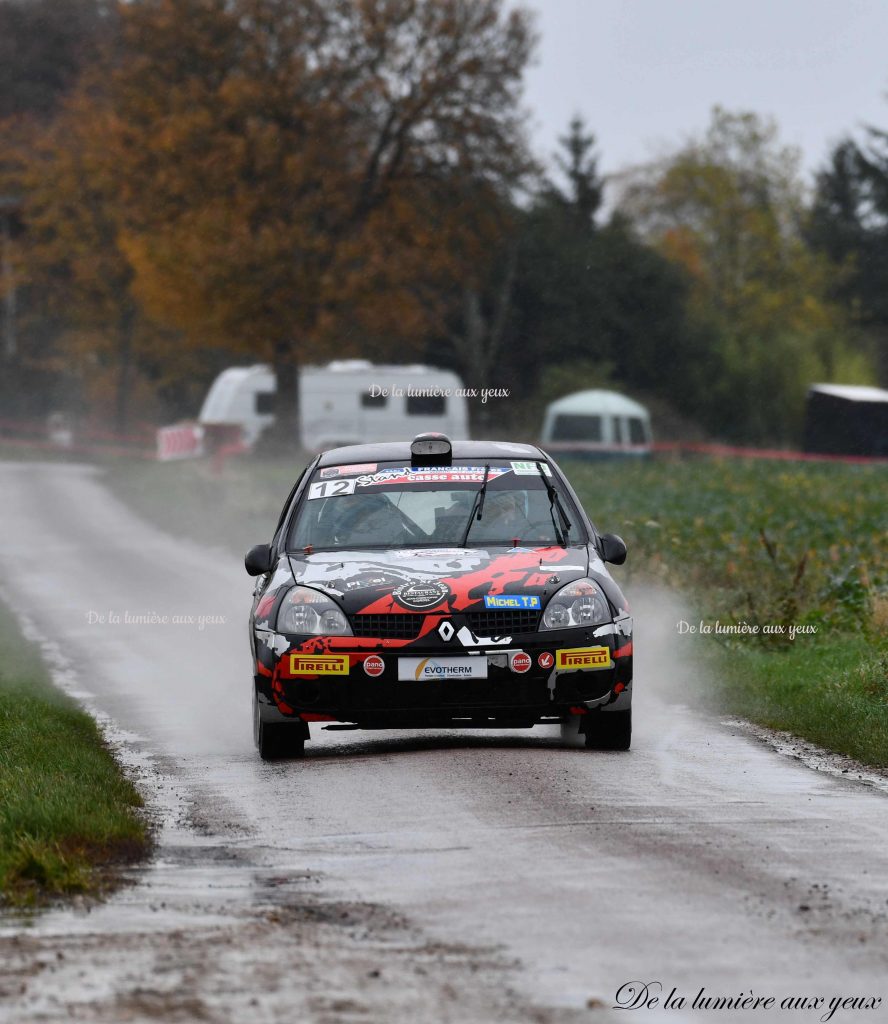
(581, 603)
(304, 610)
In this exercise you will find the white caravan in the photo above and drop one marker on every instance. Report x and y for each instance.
(351, 401)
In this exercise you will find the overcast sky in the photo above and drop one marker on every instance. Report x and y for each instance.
(646, 73)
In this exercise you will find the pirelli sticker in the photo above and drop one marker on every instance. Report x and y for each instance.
(318, 664)
(584, 658)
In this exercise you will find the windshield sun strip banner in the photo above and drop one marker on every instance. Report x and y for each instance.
(433, 475)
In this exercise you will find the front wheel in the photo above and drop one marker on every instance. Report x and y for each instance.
(277, 740)
(609, 730)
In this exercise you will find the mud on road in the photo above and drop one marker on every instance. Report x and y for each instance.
(211, 937)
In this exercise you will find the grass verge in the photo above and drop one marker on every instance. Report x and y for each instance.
(67, 814)
(833, 692)
(16, 450)
(236, 506)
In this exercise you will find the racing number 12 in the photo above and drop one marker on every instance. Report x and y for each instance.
(328, 488)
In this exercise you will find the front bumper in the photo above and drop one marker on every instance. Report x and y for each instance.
(548, 689)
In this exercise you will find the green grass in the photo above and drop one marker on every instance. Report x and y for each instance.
(761, 542)
(67, 814)
(833, 693)
(27, 451)
(236, 506)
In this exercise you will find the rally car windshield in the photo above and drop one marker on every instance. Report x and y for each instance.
(393, 505)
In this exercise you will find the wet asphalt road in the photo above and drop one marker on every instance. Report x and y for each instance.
(494, 876)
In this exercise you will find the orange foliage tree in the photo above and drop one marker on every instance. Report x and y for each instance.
(70, 257)
(299, 179)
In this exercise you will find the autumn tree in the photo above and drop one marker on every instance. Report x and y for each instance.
(71, 257)
(730, 209)
(296, 175)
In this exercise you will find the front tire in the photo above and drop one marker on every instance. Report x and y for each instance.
(609, 730)
(277, 740)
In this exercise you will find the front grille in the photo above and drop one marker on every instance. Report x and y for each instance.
(387, 627)
(503, 622)
(406, 626)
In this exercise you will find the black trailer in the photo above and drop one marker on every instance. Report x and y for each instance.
(842, 419)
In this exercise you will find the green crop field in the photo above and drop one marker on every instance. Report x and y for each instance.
(761, 542)
(795, 555)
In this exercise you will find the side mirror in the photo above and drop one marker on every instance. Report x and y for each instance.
(258, 560)
(613, 548)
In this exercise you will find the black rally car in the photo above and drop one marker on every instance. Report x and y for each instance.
(434, 584)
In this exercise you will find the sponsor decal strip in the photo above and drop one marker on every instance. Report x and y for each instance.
(584, 658)
(317, 664)
(417, 669)
(520, 601)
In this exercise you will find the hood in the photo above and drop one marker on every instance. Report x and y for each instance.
(440, 579)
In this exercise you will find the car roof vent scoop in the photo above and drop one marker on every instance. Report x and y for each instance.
(431, 450)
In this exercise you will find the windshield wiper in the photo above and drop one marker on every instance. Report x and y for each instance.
(555, 502)
(477, 505)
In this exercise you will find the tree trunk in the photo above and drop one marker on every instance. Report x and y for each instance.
(284, 436)
(480, 344)
(8, 290)
(124, 367)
